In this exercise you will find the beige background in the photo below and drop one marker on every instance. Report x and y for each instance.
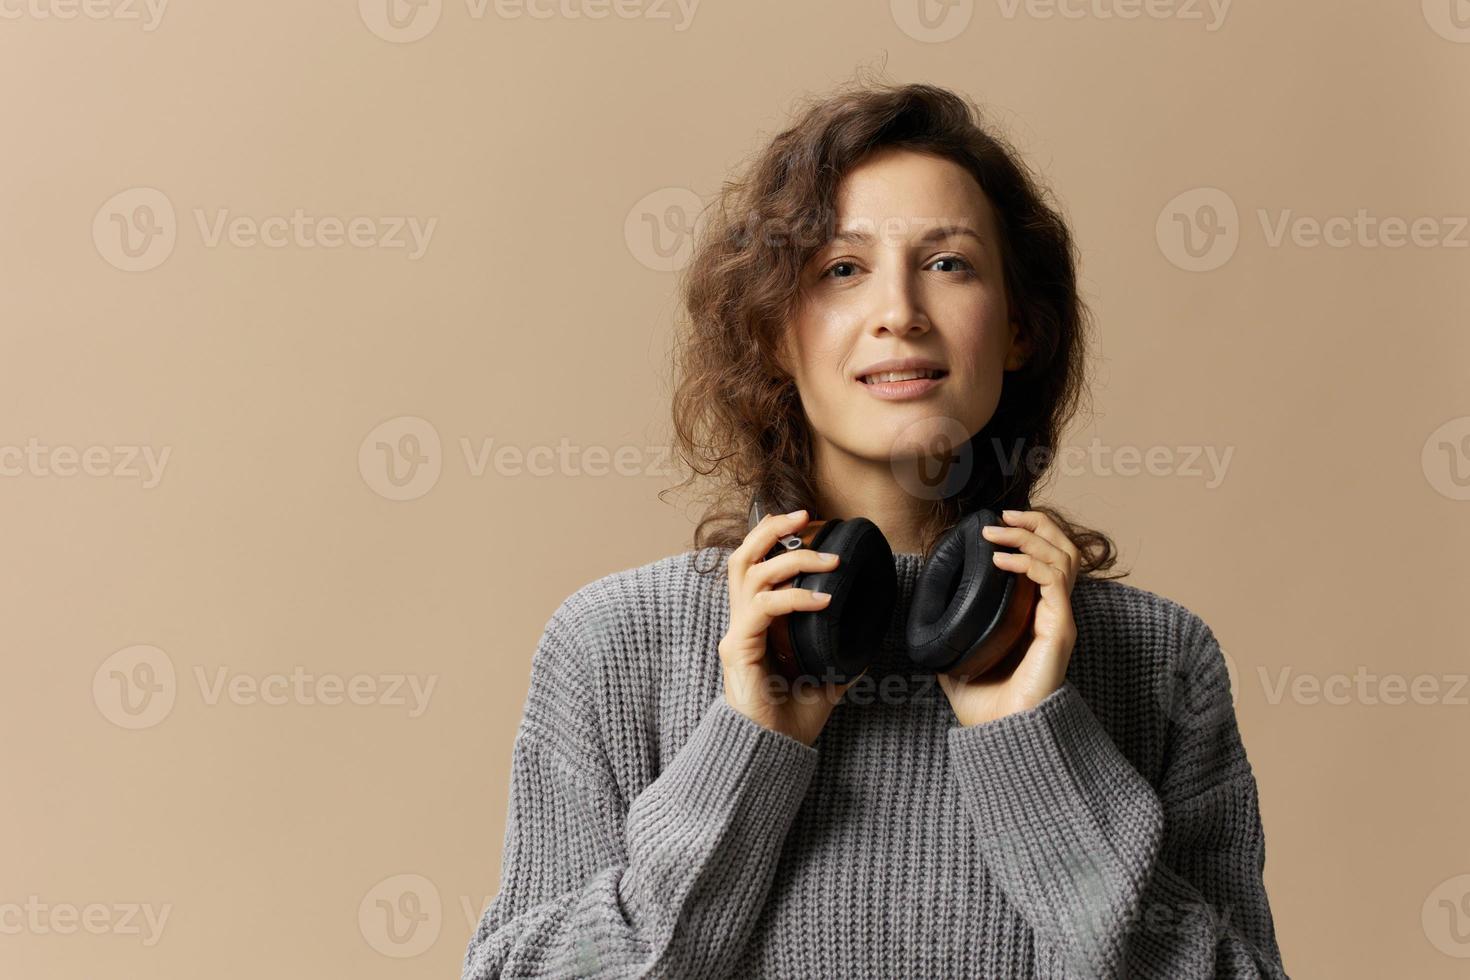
(538, 315)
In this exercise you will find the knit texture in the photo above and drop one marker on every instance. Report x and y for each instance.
(652, 830)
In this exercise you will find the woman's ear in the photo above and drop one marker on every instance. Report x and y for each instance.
(1019, 351)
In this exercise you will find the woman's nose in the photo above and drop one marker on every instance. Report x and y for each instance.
(898, 307)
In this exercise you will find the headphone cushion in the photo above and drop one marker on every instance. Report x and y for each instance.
(840, 640)
(959, 595)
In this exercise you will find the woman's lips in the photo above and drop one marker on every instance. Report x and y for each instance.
(893, 391)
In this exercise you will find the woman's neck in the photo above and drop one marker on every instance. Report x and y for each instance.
(874, 493)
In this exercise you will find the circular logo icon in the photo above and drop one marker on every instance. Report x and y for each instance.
(135, 687)
(400, 21)
(401, 915)
(1183, 696)
(1446, 917)
(135, 230)
(1234, 673)
(1449, 19)
(1446, 459)
(933, 458)
(1199, 230)
(401, 459)
(661, 228)
(932, 21)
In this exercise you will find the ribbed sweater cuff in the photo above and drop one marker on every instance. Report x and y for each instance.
(718, 815)
(1065, 821)
(730, 757)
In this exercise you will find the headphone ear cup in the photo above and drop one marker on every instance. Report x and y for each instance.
(839, 641)
(967, 612)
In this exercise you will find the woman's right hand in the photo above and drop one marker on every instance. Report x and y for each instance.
(798, 710)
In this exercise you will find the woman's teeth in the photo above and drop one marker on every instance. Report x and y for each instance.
(887, 376)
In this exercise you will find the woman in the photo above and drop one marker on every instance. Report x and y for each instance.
(1086, 809)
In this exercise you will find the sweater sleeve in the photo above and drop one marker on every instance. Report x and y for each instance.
(669, 886)
(1119, 879)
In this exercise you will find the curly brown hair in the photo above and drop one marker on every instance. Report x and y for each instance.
(738, 419)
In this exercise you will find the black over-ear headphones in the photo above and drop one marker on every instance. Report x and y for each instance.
(966, 614)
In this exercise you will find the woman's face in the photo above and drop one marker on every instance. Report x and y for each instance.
(925, 282)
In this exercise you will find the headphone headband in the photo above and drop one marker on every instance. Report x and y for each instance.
(757, 511)
(759, 508)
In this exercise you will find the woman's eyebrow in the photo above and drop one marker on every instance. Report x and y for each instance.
(857, 236)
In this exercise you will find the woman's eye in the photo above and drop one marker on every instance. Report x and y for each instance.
(964, 266)
(832, 271)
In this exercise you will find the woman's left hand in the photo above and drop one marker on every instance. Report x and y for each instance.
(1050, 559)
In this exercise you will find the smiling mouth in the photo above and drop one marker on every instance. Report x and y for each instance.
(889, 377)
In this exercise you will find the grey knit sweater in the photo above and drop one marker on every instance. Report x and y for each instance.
(653, 831)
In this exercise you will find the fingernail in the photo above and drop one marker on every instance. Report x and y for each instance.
(821, 595)
(828, 555)
(797, 513)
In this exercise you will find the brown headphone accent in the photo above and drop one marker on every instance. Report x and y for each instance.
(1013, 629)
